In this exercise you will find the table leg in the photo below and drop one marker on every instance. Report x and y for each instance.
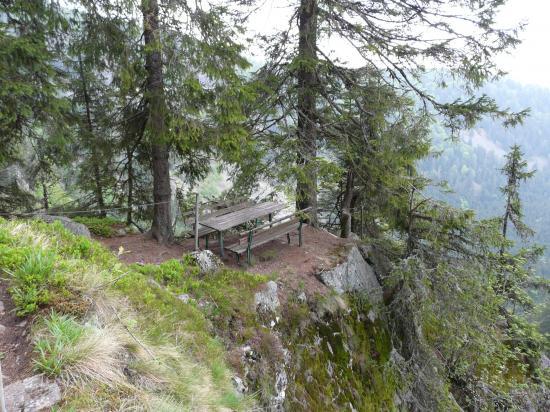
(220, 234)
(270, 216)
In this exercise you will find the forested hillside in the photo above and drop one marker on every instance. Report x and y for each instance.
(471, 165)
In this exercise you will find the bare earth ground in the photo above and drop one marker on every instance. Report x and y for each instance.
(295, 267)
(15, 346)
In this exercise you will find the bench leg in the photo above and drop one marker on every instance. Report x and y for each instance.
(248, 256)
(220, 234)
(270, 217)
(288, 238)
(238, 256)
(206, 241)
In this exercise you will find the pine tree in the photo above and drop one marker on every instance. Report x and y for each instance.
(515, 171)
(156, 123)
(306, 76)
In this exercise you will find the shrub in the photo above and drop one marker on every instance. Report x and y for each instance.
(100, 226)
(11, 257)
(32, 279)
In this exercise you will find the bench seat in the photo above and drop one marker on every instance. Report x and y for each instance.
(264, 236)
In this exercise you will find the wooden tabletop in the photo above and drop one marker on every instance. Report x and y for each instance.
(241, 216)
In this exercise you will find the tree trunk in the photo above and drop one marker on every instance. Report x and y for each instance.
(45, 196)
(306, 187)
(345, 218)
(90, 130)
(162, 220)
(505, 224)
(130, 197)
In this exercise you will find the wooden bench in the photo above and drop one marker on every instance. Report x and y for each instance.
(189, 217)
(267, 232)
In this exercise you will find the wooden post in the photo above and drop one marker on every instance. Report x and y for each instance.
(196, 221)
(361, 223)
(249, 248)
(2, 399)
(220, 237)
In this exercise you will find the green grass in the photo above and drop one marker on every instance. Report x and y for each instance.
(109, 318)
(55, 349)
(226, 295)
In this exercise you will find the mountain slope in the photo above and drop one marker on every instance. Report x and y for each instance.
(471, 165)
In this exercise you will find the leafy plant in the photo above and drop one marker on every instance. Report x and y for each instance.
(11, 257)
(32, 279)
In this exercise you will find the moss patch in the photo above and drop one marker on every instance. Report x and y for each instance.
(339, 360)
(100, 226)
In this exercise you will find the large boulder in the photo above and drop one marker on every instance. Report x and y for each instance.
(206, 260)
(267, 299)
(32, 394)
(15, 189)
(353, 275)
(69, 224)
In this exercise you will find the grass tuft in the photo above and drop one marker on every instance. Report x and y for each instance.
(55, 348)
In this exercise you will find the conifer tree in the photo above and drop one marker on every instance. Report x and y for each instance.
(306, 76)
(515, 171)
(187, 77)
(161, 228)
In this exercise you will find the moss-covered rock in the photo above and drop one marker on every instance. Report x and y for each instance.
(340, 357)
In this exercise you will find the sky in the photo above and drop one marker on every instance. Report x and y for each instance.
(529, 63)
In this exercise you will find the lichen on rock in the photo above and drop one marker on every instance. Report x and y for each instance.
(206, 261)
(32, 394)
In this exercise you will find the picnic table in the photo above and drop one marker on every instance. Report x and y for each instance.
(227, 221)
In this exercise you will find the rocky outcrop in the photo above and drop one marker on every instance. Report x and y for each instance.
(353, 275)
(69, 224)
(15, 190)
(32, 394)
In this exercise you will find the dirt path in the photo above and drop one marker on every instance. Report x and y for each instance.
(15, 346)
(295, 267)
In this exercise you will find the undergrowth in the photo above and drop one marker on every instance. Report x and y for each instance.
(100, 226)
(226, 296)
(115, 337)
